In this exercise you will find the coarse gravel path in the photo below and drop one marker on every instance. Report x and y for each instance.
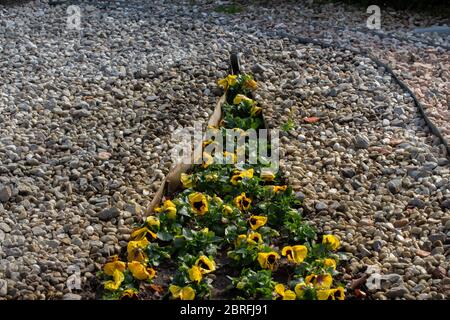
(87, 118)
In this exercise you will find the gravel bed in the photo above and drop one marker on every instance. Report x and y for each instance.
(86, 131)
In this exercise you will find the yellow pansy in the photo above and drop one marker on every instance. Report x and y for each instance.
(295, 254)
(195, 274)
(254, 238)
(169, 207)
(242, 202)
(186, 293)
(320, 281)
(329, 263)
(230, 80)
(331, 294)
(186, 180)
(227, 209)
(277, 189)
(251, 84)
(135, 250)
(199, 203)
(241, 238)
(205, 264)
(114, 284)
(331, 241)
(238, 176)
(114, 265)
(240, 97)
(268, 260)
(267, 175)
(255, 110)
(257, 221)
(282, 294)
(300, 289)
(141, 272)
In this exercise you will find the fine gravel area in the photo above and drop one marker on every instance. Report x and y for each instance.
(87, 116)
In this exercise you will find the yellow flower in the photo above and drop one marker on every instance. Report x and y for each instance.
(236, 178)
(114, 284)
(211, 177)
(268, 260)
(242, 202)
(140, 272)
(217, 199)
(300, 289)
(329, 263)
(169, 207)
(230, 80)
(254, 238)
(186, 293)
(277, 189)
(331, 294)
(282, 294)
(186, 180)
(114, 265)
(198, 202)
(241, 97)
(229, 157)
(331, 241)
(227, 209)
(251, 84)
(141, 233)
(267, 175)
(254, 111)
(205, 264)
(207, 160)
(195, 274)
(257, 221)
(240, 238)
(320, 281)
(295, 254)
(135, 250)
(129, 294)
(153, 221)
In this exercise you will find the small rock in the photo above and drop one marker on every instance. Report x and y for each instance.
(321, 206)
(400, 223)
(5, 227)
(71, 296)
(258, 68)
(361, 142)
(437, 237)
(394, 186)
(416, 202)
(3, 288)
(397, 292)
(38, 231)
(5, 193)
(422, 253)
(109, 214)
(301, 196)
(90, 230)
(348, 172)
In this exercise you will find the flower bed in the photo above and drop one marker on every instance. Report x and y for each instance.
(235, 231)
